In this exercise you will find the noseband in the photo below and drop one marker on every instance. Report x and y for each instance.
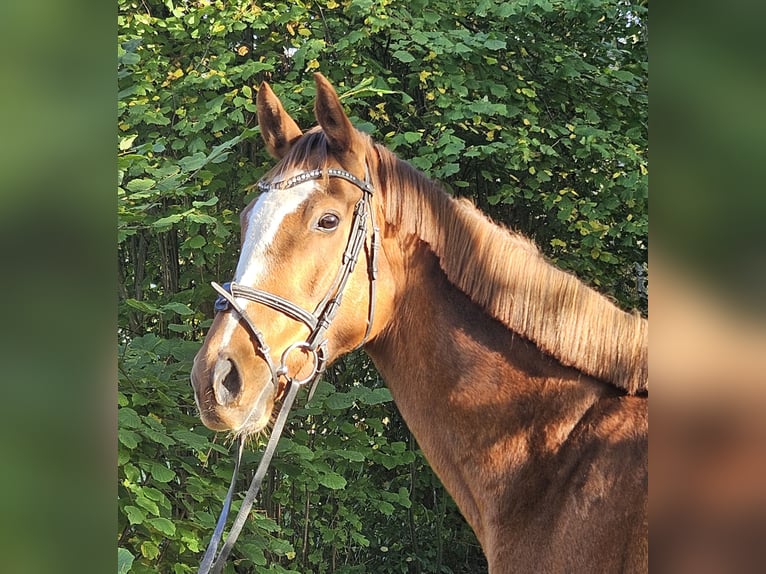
(315, 344)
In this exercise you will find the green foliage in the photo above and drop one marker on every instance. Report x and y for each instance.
(346, 482)
(536, 109)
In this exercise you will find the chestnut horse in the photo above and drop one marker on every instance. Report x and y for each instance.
(526, 390)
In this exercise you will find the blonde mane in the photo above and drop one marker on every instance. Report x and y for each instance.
(505, 273)
(502, 271)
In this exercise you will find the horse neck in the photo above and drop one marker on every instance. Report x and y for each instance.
(481, 401)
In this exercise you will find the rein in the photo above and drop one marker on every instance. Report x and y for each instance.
(315, 344)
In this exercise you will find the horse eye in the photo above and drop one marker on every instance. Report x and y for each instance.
(328, 222)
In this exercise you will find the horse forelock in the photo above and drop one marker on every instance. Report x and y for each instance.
(311, 151)
(505, 273)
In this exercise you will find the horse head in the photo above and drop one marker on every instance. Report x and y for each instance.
(304, 288)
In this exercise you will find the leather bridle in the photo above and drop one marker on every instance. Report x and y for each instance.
(321, 318)
(318, 322)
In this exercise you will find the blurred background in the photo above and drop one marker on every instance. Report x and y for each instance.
(708, 290)
(57, 236)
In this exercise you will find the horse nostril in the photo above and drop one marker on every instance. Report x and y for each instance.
(227, 384)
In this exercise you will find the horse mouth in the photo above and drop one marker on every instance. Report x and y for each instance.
(259, 415)
(239, 420)
(260, 418)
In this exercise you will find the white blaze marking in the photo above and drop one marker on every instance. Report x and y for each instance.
(263, 222)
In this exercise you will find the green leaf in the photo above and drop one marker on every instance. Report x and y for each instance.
(193, 162)
(167, 221)
(153, 494)
(143, 306)
(423, 163)
(150, 550)
(254, 553)
(140, 184)
(301, 451)
(332, 480)
(403, 56)
(124, 560)
(495, 44)
(202, 218)
(130, 58)
(148, 504)
(128, 418)
(191, 439)
(128, 438)
(190, 539)
(132, 472)
(265, 523)
(158, 436)
(375, 396)
(179, 308)
(127, 142)
(163, 525)
(624, 75)
(281, 547)
(135, 515)
(196, 242)
(339, 401)
(352, 455)
(404, 497)
(161, 473)
(209, 203)
(507, 9)
(412, 137)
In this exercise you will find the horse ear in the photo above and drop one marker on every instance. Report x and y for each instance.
(338, 129)
(278, 129)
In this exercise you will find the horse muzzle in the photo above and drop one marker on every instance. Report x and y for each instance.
(226, 399)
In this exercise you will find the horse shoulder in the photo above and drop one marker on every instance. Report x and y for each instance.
(604, 491)
(592, 514)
